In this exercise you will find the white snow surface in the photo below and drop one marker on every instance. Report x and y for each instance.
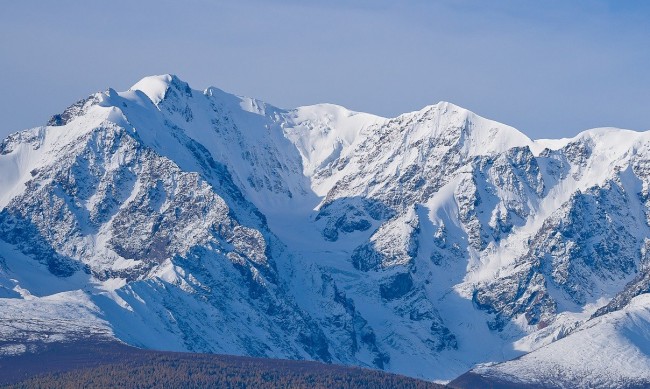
(611, 351)
(380, 232)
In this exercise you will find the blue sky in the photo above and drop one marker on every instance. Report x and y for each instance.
(550, 68)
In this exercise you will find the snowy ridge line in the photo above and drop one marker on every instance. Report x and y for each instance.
(426, 244)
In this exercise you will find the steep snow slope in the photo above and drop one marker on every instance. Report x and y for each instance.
(159, 246)
(611, 351)
(424, 244)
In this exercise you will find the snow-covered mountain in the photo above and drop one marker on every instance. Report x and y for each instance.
(178, 219)
(607, 352)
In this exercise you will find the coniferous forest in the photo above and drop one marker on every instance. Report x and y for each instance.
(112, 365)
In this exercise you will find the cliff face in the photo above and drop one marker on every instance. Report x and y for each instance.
(178, 219)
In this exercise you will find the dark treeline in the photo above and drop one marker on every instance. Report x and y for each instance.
(185, 370)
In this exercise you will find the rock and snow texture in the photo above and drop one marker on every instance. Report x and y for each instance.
(180, 219)
(611, 351)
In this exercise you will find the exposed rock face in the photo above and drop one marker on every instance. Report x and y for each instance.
(185, 220)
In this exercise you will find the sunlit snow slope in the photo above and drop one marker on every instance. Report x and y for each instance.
(178, 219)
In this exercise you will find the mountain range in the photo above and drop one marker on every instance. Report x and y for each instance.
(428, 244)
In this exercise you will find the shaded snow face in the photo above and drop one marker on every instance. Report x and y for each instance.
(199, 220)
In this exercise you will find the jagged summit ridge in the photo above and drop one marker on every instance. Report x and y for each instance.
(484, 134)
(181, 219)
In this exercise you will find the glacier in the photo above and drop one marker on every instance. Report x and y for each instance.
(427, 244)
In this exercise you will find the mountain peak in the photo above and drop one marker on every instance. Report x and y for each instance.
(156, 87)
(323, 233)
(479, 135)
